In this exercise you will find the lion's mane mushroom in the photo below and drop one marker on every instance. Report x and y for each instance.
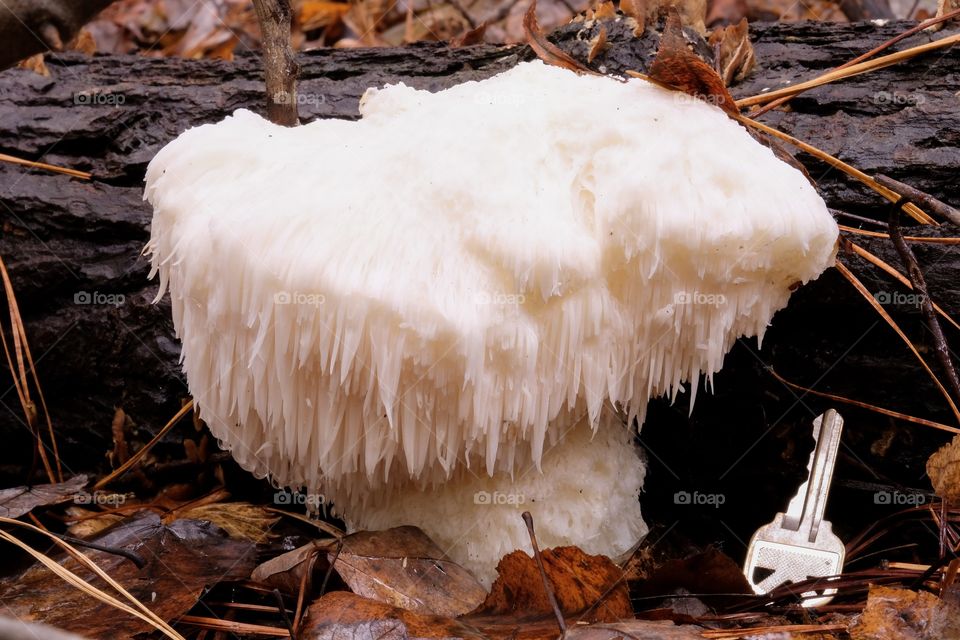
(428, 315)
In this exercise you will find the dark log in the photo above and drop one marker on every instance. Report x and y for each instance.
(72, 248)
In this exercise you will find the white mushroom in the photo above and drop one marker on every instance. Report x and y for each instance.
(443, 301)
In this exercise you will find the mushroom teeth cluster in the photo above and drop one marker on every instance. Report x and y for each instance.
(434, 295)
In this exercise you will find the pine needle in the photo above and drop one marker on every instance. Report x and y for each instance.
(859, 286)
(911, 209)
(46, 167)
(138, 609)
(135, 458)
(863, 405)
(25, 372)
(894, 273)
(852, 70)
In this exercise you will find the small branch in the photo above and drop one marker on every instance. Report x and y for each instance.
(280, 68)
(926, 304)
(129, 555)
(930, 203)
(528, 520)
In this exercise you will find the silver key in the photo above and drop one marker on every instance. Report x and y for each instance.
(800, 544)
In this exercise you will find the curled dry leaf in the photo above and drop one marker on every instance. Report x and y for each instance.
(285, 572)
(943, 467)
(893, 612)
(581, 583)
(680, 69)
(405, 568)
(181, 560)
(17, 501)
(546, 50)
(736, 57)
(598, 44)
(471, 36)
(341, 615)
(636, 9)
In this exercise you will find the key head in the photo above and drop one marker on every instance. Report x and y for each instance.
(777, 556)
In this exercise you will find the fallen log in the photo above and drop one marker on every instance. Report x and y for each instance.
(72, 247)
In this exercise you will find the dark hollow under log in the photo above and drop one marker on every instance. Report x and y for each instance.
(72, 248)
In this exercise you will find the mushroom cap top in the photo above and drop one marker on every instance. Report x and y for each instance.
(458, 275)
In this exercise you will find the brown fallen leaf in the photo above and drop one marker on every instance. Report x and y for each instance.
(638, 10)
(736, 57)
(724, 12)
(635, 630)
(710, 571)
(678, 68)
(943, 467)
(285, 572)
(604, 11)
(36, 64)
(404, 568)
(88, 523)
(341, 615)
(546, 50)
(598, 44)
(469, 37)
(17, 501)
(581, 583)
(181, 560)
(319, 14)
(894, 612)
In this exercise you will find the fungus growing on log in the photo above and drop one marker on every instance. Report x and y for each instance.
(443, 313)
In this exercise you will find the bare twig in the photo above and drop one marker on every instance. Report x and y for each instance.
(283, 612)
(528, 520)
(915, 274)
(852, 216)
(928, 201)
(280, 68)
(117, 551)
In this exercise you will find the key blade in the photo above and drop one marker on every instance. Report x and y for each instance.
(809, 504)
